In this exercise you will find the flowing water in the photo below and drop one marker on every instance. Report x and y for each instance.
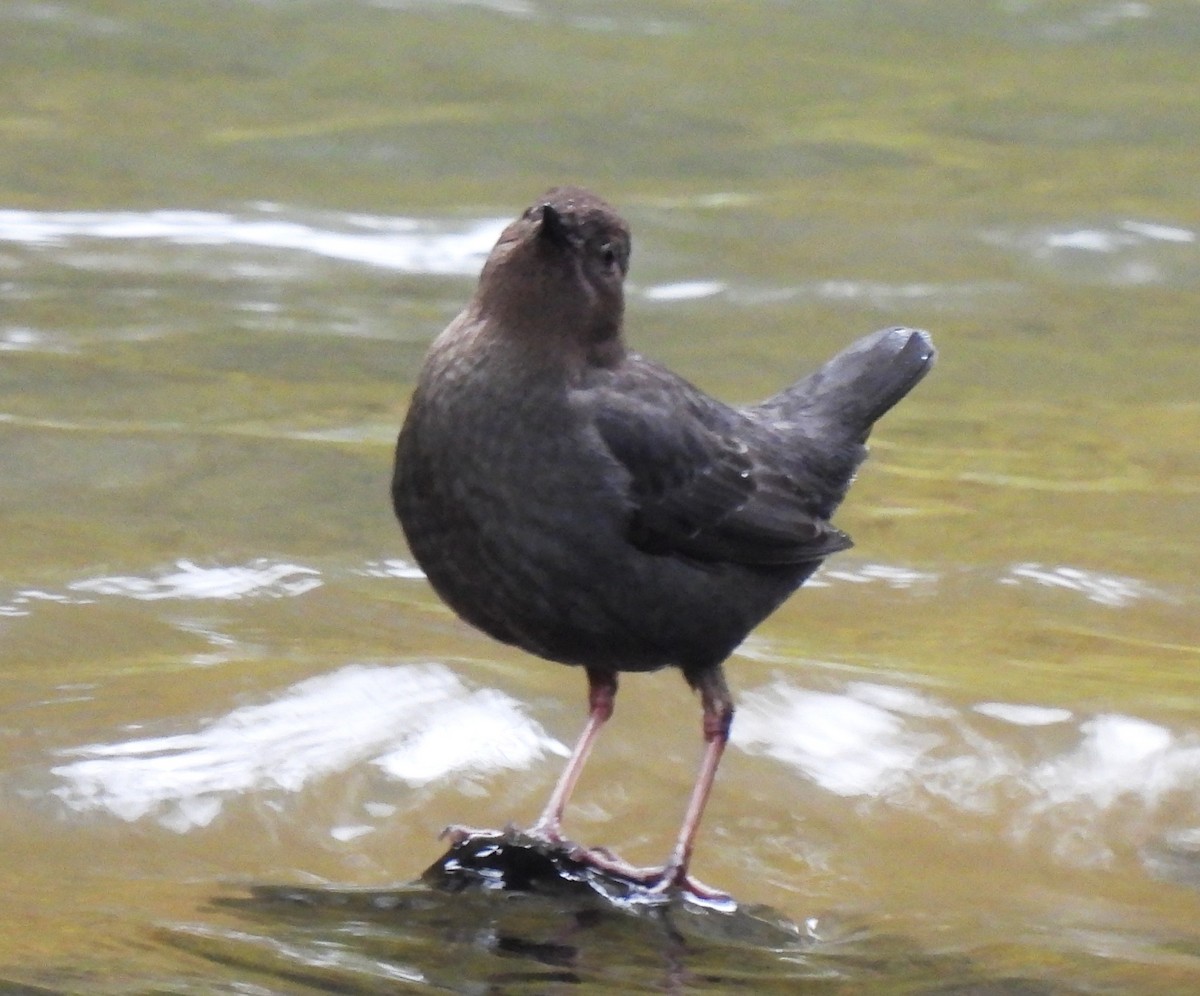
(967, 754)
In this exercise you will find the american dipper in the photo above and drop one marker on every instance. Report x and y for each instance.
(586, 504)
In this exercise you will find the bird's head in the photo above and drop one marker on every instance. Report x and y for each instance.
(556, 275)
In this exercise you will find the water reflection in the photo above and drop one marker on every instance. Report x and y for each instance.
(20, 338)
(393, 567)
(433, 246)
(406, 244)
(1023, 715)
(1124, 252)
(877, 295)
(450, 932)
(818, 162)
(891, 575)
(191, 581)
(1078, 787)
(1094, 19)
(432, 935)
(184, 581)
(418, 723)
(1104, 589)
(684, 290)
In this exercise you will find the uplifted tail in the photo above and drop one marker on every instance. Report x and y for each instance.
(858, 385)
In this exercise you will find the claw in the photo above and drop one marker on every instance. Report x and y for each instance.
(659, 884)
(456, 833)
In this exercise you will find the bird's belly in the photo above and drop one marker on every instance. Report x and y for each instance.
(559, 578)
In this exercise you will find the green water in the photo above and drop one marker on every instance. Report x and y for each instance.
(967, 755)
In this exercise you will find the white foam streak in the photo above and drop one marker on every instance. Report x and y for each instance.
(847, 746)
(191, 581)
(1023, 715)
(1126, 234)
(1104, 589)
(1123, 770)
(1082, 791)
(406, 244)
(393, 568)
(418, 723)
(888, 574)
(687, 290)
(1127, 252)
(186, 580)
(483, 731)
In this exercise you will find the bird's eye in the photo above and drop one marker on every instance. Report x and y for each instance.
(608, 253)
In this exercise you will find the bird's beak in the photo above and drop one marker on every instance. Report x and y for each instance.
(553, 226)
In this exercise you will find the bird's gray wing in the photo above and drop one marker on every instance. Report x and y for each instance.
(701, 482)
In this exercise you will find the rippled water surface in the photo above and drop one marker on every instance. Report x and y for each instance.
(233, 717)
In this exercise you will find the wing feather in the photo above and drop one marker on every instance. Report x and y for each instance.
(701, 484)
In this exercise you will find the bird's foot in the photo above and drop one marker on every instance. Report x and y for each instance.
(549, 832)
(603, 870)
(657, 884)
(678, 883)
(609, 862)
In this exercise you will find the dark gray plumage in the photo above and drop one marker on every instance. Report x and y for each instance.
(587, 505)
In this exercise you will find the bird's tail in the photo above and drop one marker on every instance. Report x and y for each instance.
(858, 385)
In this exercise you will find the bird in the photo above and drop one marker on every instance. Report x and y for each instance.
(568, 496)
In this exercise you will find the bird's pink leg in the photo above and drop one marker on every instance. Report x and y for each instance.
(718, 717)
(602, 691)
